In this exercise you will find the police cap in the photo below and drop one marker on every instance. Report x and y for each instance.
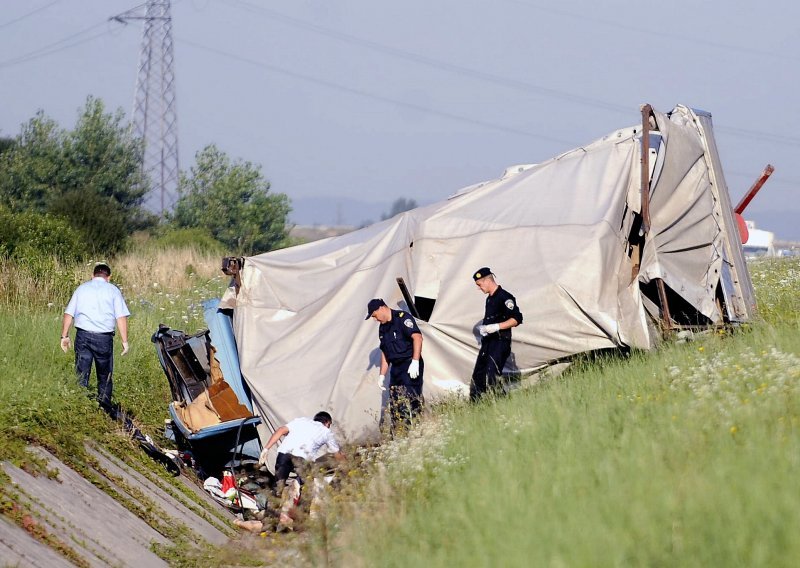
(373, 305)
(481, 272)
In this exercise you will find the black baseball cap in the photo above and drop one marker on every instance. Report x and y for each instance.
(481, 272)
(373, 305)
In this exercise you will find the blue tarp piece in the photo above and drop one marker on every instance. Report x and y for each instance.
(220, 329)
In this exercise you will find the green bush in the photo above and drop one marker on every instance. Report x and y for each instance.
(25, 235)
(232, 201)
(90, 175)
(100, 219)
(190, 238)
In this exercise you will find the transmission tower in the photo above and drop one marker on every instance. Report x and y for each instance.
(154, 118)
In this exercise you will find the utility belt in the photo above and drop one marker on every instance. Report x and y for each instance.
(95, 332)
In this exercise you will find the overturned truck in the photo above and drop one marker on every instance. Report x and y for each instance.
(605, 246)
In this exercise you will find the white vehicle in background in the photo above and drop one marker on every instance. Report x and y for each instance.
(759, 243)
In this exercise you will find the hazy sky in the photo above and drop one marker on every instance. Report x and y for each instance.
(374, 100)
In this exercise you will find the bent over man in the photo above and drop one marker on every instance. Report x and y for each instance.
(299, 452)
(305, 437)
(401, 348)
(501, 314)
(96, 308)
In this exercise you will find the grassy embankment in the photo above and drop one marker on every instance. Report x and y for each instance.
(42, 403)
(685, 457)
(41, 400)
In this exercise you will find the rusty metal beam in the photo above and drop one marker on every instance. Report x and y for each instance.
(751, 193)
(412, 307)
(647, 111)
(662, 297)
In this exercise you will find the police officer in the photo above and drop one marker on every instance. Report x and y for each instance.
(502, 313)
(401, 348)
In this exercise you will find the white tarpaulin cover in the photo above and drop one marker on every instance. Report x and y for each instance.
(556, 235)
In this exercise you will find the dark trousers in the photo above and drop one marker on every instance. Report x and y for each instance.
(405, 393)
(284, 465)
(489, 365)
(287, 463)
(98, 348)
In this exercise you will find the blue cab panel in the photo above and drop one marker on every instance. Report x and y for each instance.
(220, 328)
(224, 432)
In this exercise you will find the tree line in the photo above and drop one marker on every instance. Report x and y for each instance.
(80, 192)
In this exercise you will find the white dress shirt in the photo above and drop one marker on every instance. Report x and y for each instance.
(306, 437)
(96, 305)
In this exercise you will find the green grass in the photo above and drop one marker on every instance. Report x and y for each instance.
(42, 403)
(689, 457)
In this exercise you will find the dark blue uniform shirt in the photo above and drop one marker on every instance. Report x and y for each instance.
(395, 336)
(501, 306)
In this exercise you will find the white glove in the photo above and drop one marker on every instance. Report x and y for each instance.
(485, 330)
(125, 347)
(65, 343)
(413, 369)
(381, 380)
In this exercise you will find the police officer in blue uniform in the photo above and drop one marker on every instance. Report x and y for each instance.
(401, 349)
(502, 313)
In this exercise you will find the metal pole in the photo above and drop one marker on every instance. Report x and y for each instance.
(647, 112)
(751, 193)
(154, 117)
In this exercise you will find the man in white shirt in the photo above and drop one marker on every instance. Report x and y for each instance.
(97, 308)
(305, 437)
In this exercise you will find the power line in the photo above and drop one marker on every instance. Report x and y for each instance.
(351, 90)
(417, 58)
(497, 79)
(650, 31)
(778, 179)
(758, 135)
(61, 44)
(56, 46)
(31, 13)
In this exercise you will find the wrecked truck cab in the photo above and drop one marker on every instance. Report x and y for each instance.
(211, 411)
(615, 244)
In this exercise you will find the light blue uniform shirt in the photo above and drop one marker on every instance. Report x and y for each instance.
(96, 305)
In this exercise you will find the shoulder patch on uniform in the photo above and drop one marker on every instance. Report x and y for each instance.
(510, 304)
(408, 323)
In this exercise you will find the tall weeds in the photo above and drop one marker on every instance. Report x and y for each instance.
(42, 282)
(166, 269)
(36, 282)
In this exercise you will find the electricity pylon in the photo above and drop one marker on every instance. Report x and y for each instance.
(154, 117)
